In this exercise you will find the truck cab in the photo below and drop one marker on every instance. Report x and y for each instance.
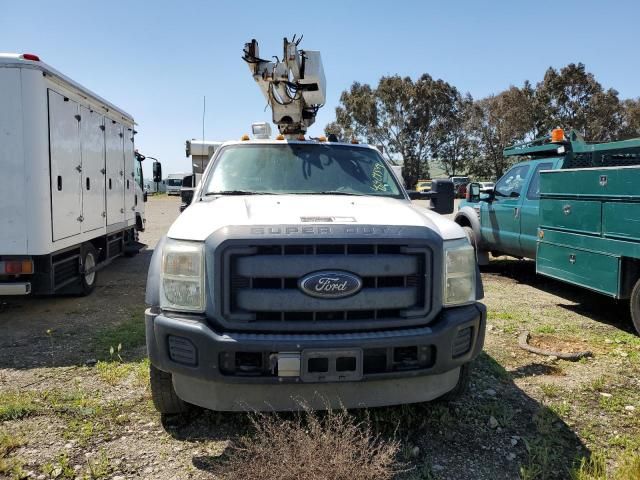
(174, 183)
(506, 220)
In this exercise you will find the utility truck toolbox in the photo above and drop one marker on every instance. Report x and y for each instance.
(573, 206)
(302, 273)
(72, 196)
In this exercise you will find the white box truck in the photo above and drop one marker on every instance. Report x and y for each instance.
(72, 194)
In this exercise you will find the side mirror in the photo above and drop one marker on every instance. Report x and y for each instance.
(442, 196)
(157, 172)
(473, 190)
(188, 181)
(145, 194)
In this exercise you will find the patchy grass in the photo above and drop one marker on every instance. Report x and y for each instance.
(552, 390)
(545, 329)
(15, 405)
(115, 372)
(99, 468)
(594, 467)
(8, 444)
(126, 336)
(60, 467)
(329, 446)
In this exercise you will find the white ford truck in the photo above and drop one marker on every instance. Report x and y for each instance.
(302, 274)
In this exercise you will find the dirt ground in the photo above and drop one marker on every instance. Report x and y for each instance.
(75, 402)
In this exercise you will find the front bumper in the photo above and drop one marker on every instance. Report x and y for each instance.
(203, 382)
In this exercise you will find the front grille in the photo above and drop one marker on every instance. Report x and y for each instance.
(263, 283)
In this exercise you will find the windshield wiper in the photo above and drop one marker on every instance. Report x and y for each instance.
(329, 192)
(237, 192)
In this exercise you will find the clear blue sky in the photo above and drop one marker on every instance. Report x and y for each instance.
(157, 59)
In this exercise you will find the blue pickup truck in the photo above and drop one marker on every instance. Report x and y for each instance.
(572, 206)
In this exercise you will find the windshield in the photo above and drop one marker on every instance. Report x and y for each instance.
(174, 182)
(301, 169)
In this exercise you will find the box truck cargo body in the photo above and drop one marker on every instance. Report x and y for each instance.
(70, 200)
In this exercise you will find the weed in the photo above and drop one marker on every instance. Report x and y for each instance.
(629, 468)
(81, 430)
(115, 372)
(59, 468)
(128, 335)
(548, 450)
(593, 467)
(548, 329)
(100, 468)
(501, 411)
(611, 404)
(598, 384)
(333, 445)
(9, 466)
(551, 390)
(561, 409)
(16, 405)
(492, 315)
(9, 443)
(72, 402)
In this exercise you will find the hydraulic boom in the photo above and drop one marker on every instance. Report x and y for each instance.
(294, 87)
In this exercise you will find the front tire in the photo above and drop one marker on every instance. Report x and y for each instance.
(164, 396)
(635, 306)
(461, 387)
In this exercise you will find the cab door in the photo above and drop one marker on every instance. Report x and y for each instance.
(501, 219)
(529, 212)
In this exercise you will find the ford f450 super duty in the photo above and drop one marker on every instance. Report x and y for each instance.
(303, 275)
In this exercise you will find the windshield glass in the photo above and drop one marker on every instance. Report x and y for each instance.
(300, 169)
(174, 182)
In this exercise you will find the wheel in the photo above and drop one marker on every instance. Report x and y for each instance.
(635, 306)
(471, 236)
(163, 394)
(461, 387)
(89, 261)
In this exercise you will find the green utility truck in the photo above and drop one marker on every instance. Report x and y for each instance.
(571, 205)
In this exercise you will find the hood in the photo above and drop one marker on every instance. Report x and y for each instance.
(203, 218)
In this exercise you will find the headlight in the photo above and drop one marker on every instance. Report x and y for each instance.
(459, 273)
(182, 276)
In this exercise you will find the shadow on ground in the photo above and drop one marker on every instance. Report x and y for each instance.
(599, 308)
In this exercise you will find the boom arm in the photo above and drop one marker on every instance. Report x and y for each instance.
(295, 87)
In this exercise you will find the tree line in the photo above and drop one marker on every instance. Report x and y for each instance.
(428, 121)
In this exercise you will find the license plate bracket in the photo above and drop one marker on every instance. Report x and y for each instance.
(331, 365)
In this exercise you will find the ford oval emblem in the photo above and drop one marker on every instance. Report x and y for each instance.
(330, 284)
